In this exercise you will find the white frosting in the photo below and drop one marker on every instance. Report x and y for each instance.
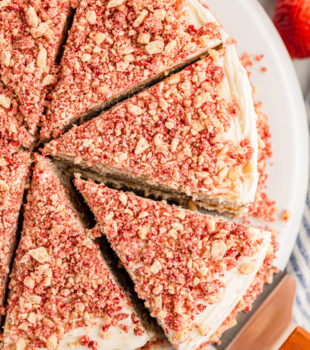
(236, 286)
(236, 87)
(115, 338)
(198, 16)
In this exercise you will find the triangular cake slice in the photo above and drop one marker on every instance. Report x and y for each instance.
(14, 166)
(62, 294)
(116, 46)
(30, 36)
(191, 136)
(191, 269)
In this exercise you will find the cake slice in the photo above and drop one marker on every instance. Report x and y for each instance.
(14, 166)
(62, 294)
(193, 271)
(117, 46)
(191, 136)
(30, 35)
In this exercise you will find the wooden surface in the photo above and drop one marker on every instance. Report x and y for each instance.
(298, 340)
(271, 324)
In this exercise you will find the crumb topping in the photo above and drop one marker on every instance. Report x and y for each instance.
(11, 120)
(59, 281)
(286, 215)
(264, 275)
(176, 257)
(172, 134)
(115, 45)
(14, 167)
(263, 207)
(30, 34)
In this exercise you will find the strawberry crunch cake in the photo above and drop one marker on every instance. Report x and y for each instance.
(118, 45)
(133, 94)
(31, 32)
(62, 294)
(192, 270)
(14, 167)
(193, 135)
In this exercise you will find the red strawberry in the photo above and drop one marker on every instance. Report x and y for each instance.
(292, 19)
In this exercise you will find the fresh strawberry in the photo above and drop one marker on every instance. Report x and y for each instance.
(292, 19)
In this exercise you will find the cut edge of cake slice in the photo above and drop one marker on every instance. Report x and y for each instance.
(63, 294)
(14, 169)
(87, 145)
(129, 223)
(61, 113)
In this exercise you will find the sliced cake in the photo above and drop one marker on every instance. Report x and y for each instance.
(30, 35)
(14, 166)
(62, 294)
(191, 136)
(118, 45)
(193, 271)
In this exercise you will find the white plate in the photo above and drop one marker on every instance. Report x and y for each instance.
(278, 89)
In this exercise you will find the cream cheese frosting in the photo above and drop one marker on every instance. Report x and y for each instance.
(115, 339)
(199, 15)
(236, 286)
(236, 87)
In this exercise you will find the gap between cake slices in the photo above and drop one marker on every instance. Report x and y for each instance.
(38, 270)
(69, 100)
(141, 233)
(210, 123)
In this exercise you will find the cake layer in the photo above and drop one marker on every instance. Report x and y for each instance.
(193, 134)
(62, 294)
(30, 35)
(192, 270)
(14, 166)
(115, 46)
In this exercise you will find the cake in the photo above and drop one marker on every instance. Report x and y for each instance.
(30, 36)
(192, 270)
(192, 136)
(117, 46)
(14, 167)
(62, 293)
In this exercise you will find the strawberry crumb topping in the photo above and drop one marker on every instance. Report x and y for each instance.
(286, 215)
(263, 207)
(30, 35)
(118, 44)
(175, 256)
(14, 167)
(173, 135)
(59, 281)
(11, 120)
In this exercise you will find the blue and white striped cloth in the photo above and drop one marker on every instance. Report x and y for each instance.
(299, 264)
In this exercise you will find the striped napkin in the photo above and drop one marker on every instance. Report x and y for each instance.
(299, 264)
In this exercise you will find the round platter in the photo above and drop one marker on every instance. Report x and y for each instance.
(278, 89)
